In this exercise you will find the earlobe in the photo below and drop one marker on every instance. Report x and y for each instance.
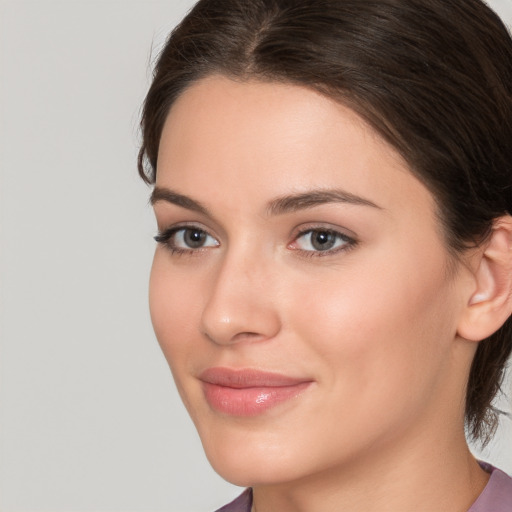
(490, 304)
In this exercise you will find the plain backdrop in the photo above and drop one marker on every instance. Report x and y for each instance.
(90, 420)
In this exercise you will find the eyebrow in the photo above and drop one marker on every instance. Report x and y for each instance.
(310, 199)
(170, 196)
(278, 206)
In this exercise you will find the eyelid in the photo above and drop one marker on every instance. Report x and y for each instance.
(164, 237)
(350, 239)
(323, 226)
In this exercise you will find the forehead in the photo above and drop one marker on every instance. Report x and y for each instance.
(264, 139)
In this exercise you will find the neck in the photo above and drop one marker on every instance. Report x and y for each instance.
(441, 476)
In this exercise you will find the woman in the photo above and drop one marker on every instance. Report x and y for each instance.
(332, 286)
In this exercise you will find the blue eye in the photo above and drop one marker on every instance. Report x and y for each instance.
(185, 239)
(322, 240)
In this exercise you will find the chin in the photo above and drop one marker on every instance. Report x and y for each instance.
(247, 457)
(257, 455)
(245, 470)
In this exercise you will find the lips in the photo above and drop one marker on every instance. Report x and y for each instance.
(248, 392)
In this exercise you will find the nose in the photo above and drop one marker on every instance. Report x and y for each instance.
(241, 305)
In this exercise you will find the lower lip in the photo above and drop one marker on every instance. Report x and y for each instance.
(250, 401)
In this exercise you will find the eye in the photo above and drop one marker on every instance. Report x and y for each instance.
(322, 240)
(186, 239)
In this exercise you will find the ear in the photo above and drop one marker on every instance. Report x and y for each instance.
(490, 304)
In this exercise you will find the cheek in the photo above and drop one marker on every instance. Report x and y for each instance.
(175, 297)
(378, 328)
(173, 303)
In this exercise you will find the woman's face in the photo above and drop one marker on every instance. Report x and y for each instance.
(300, 289)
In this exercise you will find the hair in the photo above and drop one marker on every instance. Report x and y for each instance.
(432, 77)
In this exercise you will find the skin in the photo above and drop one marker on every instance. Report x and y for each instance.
(373, 325)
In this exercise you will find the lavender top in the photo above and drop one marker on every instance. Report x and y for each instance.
(496, 497)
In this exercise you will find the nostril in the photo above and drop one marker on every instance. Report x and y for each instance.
(236, 338)
(236, 311)
(247, 335)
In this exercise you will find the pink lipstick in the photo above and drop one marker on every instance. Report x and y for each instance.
(247, 392)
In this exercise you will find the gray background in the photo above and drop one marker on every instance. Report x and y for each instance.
(89, 418)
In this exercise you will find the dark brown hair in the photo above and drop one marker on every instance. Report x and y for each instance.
(433, 77)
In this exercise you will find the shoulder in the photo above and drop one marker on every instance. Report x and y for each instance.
(241, 504)
(497, 495)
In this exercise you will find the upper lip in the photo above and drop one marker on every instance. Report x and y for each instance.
(248, 378)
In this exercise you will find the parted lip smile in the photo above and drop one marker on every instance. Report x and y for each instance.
(248, 392)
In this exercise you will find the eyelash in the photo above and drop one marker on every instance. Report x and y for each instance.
(348, 242)
(165, 237)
